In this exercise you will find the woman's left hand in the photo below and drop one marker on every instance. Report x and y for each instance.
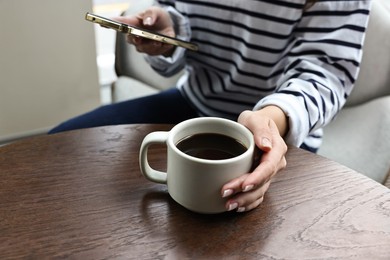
(268, 126)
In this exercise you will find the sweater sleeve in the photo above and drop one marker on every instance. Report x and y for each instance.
(168, 66)
(321, 66)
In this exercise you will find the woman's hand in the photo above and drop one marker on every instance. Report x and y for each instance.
(154, 19)
(268, 125)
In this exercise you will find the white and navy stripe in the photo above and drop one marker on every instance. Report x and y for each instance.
(254, 53)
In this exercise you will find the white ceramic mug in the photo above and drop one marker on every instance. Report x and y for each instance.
(193, 182)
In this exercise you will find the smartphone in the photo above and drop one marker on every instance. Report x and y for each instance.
(124, 28)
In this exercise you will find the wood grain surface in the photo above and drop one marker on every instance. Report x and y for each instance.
(80, 195)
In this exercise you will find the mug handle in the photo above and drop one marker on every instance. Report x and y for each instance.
(159, 137)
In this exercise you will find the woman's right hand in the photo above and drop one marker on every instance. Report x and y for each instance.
(153, 19)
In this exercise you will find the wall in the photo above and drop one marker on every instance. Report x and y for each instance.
(48, 69)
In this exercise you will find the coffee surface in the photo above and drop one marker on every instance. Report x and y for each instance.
(211, 146)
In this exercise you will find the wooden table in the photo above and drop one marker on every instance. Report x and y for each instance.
(80, 195)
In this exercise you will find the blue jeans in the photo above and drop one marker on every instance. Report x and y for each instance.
(167, 107)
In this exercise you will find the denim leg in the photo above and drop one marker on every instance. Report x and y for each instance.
(167, 107)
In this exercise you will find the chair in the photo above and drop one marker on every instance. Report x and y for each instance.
(359, 137)
(135, 77)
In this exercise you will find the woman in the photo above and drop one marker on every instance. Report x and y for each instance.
(281, 68)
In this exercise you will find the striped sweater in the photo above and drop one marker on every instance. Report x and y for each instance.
(254, 53)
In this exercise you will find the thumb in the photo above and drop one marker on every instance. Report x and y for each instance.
(148, 21)
(260, 127)
(265, 143)
(130, 20)
(148, 17)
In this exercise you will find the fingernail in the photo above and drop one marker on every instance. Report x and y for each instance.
(233, 206)
(227, 193)
(241, 209)
(148, 21)
(248, 188)
(266, 142)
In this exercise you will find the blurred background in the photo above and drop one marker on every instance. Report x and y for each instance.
(53, 64)
(105, 43)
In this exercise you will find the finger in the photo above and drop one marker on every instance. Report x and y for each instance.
(132, 39)
(270, 164)
(130, 20)
(264, 135)
(233, 186)
(153, 47)
(251, 206)
(149, 17)
(261, 128)
(247, 201)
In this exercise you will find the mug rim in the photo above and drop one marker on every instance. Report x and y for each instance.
(176, 128)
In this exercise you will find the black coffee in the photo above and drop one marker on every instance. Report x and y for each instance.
(211, 146)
